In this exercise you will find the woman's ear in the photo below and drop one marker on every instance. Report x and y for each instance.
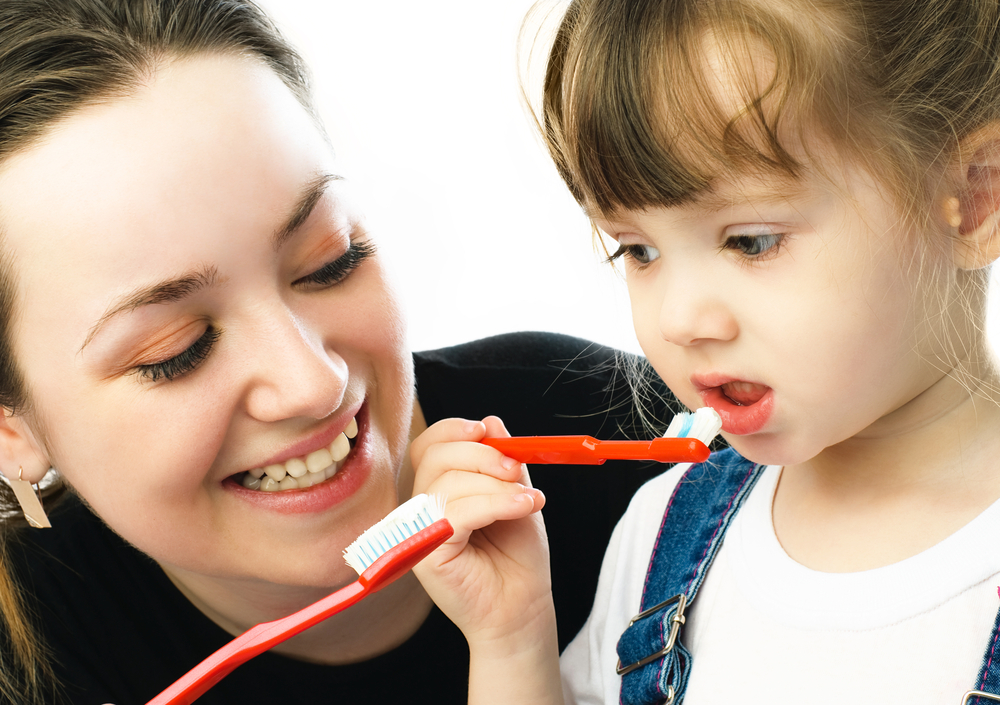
(20, 453)
(975, 212)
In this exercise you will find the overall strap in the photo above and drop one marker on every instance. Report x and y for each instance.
(654, 665)
(988, 682)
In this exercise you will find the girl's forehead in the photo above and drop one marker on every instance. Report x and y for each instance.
(750, 189)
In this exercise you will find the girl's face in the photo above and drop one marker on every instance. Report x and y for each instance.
(791, 307)
(198, 300)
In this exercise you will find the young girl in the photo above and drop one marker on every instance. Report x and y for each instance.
(198, 334)
(805, 197)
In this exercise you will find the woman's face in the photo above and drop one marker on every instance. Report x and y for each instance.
(197, 301)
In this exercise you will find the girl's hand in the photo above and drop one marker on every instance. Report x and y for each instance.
(492, 577)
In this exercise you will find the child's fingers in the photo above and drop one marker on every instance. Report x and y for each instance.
(471, 458)
(498, 500)
(468, 514)
(445, 431)
(495, 429)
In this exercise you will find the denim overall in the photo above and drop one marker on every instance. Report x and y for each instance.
(652, 661)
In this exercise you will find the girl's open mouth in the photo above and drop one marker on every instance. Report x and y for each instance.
(744, 393)
(305, 471)
(745, 407)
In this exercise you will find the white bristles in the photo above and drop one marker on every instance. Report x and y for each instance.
(401, 523)
(704, 424)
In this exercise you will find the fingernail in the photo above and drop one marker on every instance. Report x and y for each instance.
(470, 427)
(508, 463)
(521, 498)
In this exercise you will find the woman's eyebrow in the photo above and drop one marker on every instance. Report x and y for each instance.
(310, 197)
(163, 292)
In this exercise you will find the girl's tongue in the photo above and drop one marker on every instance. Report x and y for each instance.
(744, 393)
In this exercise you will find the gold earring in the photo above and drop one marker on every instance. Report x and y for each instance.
(30, 501)
(952, 211)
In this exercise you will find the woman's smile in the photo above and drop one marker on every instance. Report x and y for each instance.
(315, 480)
(222, 346)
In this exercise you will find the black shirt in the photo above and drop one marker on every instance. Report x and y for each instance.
(120, 632)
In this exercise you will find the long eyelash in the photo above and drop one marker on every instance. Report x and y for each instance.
(768, 254)
(617, 254)
(338, 270)
(183, 363)
(629, 253)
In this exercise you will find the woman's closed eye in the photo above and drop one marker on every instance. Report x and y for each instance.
(183, 363)
(339, 269)
(639, 254)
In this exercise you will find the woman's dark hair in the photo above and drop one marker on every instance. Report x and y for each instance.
(56, 57)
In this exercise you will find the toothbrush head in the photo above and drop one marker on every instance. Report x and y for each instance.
(704, 424)
(404, 521)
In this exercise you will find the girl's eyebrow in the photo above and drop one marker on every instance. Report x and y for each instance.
(162, 292)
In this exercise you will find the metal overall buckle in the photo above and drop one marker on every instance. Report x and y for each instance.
(979, 694)
(676, 621)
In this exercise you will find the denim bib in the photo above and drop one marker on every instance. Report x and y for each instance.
(652, 661)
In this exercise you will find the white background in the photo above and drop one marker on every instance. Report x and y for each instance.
(422, 102)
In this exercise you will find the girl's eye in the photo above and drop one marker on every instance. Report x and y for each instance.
(339, 269)
(181, 364)
(640, 254)
(755, 246)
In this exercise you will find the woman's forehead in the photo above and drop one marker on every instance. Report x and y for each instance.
(207, 139)
(171, 178)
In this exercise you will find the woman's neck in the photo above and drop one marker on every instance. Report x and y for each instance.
(372, 627)
(901, 486)
(377, 624)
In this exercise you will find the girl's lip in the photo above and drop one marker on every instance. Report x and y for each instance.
(737, 419)
(319, 440)
(317, 498)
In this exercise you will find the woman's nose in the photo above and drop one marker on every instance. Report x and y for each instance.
(293, 374)
(692, 312)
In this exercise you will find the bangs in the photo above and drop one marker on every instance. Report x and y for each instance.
(649, 105)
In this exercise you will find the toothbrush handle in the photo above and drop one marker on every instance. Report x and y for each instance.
(663, 450)
(196, 682)
(584, 450)
(391, 565)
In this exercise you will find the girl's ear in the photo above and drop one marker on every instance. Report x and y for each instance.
(975, 213)
(20, 452)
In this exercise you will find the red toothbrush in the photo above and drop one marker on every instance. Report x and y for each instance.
(584, 450)
(413, 530)
(688, 434)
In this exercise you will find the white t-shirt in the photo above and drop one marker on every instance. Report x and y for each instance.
(764, 629)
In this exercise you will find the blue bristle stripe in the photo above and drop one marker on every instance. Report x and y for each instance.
(393, 530)
(686, 428)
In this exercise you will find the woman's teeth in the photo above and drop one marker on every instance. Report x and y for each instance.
(309, 470)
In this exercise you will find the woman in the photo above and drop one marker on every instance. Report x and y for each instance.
(199, 337)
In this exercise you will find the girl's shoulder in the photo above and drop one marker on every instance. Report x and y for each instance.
(707, 489)
(715, 477)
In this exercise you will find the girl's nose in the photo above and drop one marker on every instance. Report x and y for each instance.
(293, 374)
(693, 312)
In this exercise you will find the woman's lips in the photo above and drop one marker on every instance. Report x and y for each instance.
(745, 407)
(348, 476)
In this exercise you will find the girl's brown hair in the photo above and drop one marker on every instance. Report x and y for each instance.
(57, 56)
(632, 115)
